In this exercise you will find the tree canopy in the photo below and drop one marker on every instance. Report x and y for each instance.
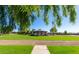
(53, 29)
(25, 15)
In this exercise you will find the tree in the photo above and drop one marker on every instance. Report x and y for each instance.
(22, 13)
(6, 25)
(65, 32)
(53, 30)
(67, 10)
(32, 31)
(39, 29)
(25, 15)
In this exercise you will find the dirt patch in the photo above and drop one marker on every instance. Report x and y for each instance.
(38, 42)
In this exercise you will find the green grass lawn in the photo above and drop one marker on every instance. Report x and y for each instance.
(63, 49)
(27, 37)
(15, 49)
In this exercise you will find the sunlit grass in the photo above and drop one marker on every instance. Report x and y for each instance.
(15, 49)
(28, 37)
(63, 49)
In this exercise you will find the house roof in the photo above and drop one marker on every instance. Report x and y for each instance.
(40, 31)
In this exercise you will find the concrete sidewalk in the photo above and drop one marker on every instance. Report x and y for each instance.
(40, 49)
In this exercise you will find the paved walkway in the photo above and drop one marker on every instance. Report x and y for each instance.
(39, 42)
(40, 49)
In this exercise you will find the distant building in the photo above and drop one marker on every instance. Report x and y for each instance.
(39, 33)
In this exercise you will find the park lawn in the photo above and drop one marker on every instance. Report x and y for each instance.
(28, 37)
(15, 49)
(63, 49)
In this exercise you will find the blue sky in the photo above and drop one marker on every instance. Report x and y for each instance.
(66, 25)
